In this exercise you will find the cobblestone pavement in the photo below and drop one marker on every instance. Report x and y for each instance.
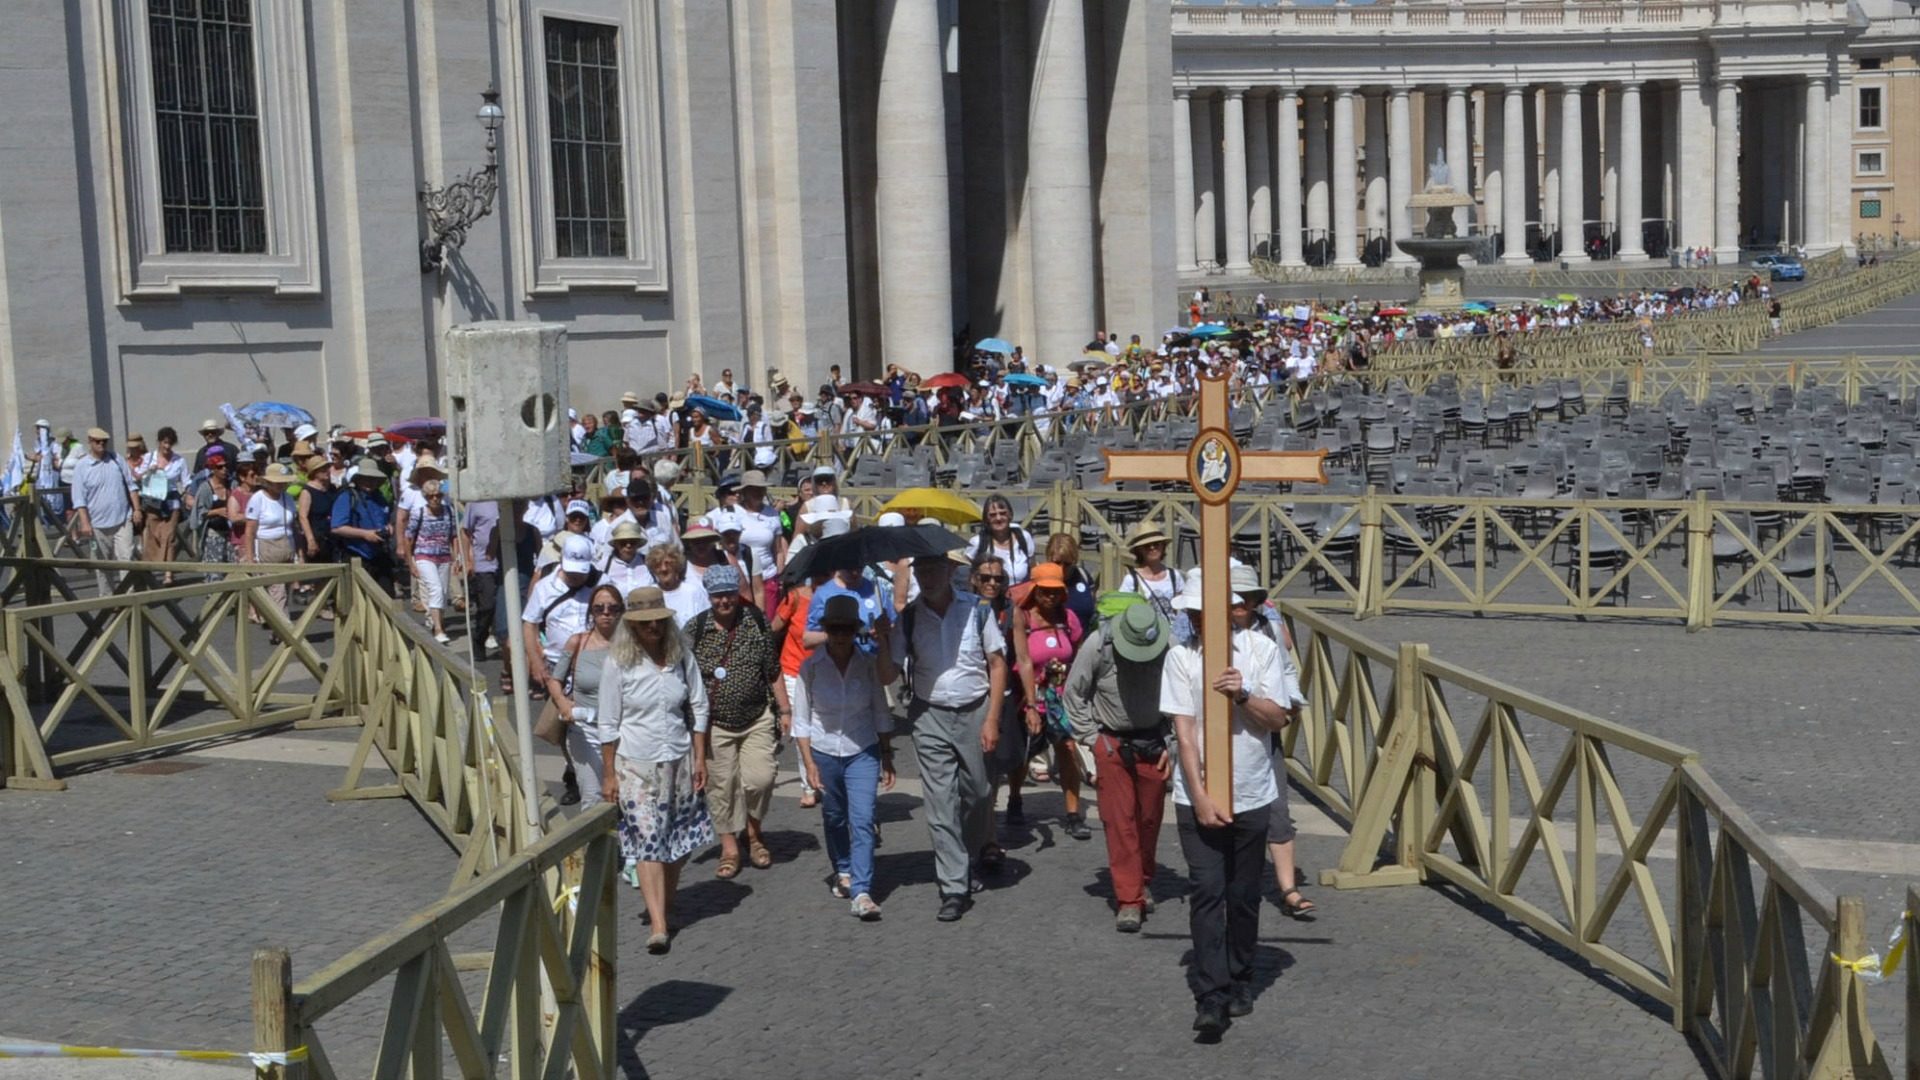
(134, 900)
(1887, 330)
(1035, 981)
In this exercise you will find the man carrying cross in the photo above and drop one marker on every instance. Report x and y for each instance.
(1224, 843)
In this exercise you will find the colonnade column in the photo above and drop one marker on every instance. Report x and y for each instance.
(1259, 176)
(1726, 170)
(1233, 186)
(1205, 214)
(1573, 234)
(1549, 130)
(1288, 132)
(1375, 198)
(1814, 166)
(910, 187)
(1318, 221)
(1493, 165)
(1183, 208)
(1459, 153)
(1632, 234)
(1516, 173)
(1345, 216)
(1399, 172)
(1060, 189)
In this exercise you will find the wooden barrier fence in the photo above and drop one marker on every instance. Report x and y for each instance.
(1558, 819)
(429, 718)
(549, 1003)
(1692, 561)
(143, 658)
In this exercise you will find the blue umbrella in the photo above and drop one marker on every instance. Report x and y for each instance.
(1208, 330)
(274, 414)
(713, 407)
(1021, 378)
(993, 345)
(1476, 305)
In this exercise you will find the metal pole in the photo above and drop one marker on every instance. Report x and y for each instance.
(517, 658)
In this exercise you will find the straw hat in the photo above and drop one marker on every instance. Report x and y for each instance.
(1143, 534)
(367, 470)
(426, 468)
(280, 473)
(647, 604)
(628, 530)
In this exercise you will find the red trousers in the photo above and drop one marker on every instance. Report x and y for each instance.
(1131, 803)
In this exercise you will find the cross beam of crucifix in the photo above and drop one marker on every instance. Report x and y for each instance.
(1213, 465)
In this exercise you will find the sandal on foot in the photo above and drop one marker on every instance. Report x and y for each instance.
(658, 944)
(759, 855)
(1295, 905)
(840, 885)
(728, 869)
(992, 858)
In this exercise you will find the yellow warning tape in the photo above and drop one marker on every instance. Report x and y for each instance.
(1871, 967)
(259, 1060)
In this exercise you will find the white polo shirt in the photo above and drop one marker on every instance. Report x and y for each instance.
(1267, 675)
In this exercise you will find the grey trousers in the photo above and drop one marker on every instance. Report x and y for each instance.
(958, 790)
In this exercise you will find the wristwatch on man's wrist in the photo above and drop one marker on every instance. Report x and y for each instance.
(1242, 697)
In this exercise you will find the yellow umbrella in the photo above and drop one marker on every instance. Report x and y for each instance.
(937, 503)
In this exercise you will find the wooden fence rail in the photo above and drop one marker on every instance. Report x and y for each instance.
(121, 674)
(1562, 821)
(428, 717)
(549, 1003)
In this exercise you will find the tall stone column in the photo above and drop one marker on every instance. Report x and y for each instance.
(1550, 128)
(1516, 168)
(1400, 167)
(1287, 132)
(1376, 162)
(1610, 168)
(1346, 220)
(1493, 164)
(910, 188)
(1693, 170)
(1260, 175)
(1632, 211)
(1726, 171)
(1206, 213)
(1183, 208)
(1060, 181)
(1319, 222)
(1459, 153)
(1233, 166)
(1840, 118)
(1573, 184)
(1814, 166)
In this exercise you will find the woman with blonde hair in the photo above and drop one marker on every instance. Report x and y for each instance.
(683, 596)
(652, 714)
(433, 545)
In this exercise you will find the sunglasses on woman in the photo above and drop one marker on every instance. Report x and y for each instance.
(607, 609)
(993, 579)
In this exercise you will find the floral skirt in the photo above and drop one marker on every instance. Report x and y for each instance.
(662, 818)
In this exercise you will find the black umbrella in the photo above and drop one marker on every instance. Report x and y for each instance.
(873, 544)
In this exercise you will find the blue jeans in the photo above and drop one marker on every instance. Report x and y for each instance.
(848, 788)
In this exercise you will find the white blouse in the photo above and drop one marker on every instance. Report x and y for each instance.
(272, 517)
(641, 708)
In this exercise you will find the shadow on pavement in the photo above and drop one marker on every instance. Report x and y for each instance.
(675, 1001)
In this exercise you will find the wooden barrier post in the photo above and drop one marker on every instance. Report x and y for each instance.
(1842, 1042)
(1700, 596)
(1372, 559)
(276, 1027)
(1393, 793)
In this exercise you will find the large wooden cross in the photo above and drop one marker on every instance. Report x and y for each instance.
(1213, 465)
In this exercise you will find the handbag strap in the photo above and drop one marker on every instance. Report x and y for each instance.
(573, 660)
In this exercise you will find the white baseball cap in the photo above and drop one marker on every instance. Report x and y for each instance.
(305, 431)
(576, 555)
(580, 506)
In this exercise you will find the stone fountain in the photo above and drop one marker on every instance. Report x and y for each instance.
(1439, 246)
